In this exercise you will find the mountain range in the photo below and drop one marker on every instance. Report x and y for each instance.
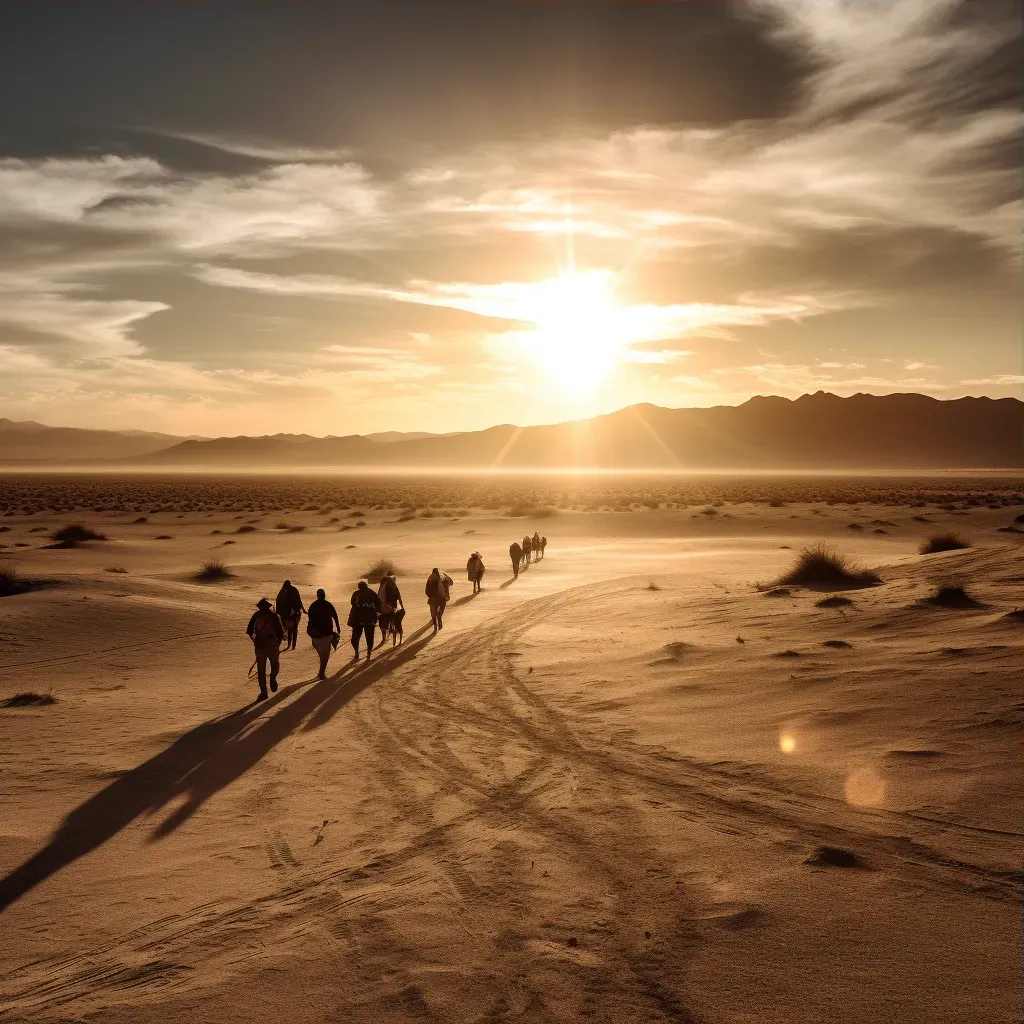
(819, 431)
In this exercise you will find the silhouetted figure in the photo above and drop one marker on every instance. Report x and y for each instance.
(527, 548)
(437, 591)
(543, 546)
(323, 628)
(475, 571)
(392, 610)
(515, 552)
(266, 632)
(363, 618)
(535, 544)
(290, 609)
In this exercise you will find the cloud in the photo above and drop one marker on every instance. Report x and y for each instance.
(887, 173)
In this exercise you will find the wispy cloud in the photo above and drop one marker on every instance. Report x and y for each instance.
(893, 178)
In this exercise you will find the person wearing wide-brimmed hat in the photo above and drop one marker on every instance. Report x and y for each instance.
(266, 631)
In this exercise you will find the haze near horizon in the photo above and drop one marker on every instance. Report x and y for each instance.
(360, 218)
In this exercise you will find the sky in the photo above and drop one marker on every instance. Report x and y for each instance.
(221, 218)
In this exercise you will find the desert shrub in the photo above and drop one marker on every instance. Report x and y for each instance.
(10, 582)
(163, 536)
(824, 566)
(1020, 518)
(943, 542)
(381, 568)
(951, 596)
(361, 523)
(282, 526)
(74, 534)
(215, 533)
(405, 518)
(213, 569)
(833, 602)
(246, 529)
(29, 700)
(531, 512)
(653, 586)
(115, 568)
(141, 519)
(295, 529)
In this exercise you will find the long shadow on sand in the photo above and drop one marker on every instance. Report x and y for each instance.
(508, 582)
(198, 765)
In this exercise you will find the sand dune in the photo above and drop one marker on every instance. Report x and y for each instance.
(629, 785)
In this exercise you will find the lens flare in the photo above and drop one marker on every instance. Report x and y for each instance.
(787, 743)
(864, 787)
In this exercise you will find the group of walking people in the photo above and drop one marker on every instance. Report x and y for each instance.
(520, 553)
(272, 625)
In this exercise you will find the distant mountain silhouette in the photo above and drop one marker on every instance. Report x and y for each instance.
(819, 431)
(28, 441)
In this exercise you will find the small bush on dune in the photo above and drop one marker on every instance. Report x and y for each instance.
(953, 597)
(74, 534)
(943, 542)
(281, 526)
(163, 536)
(531, 512)
(213, 569)
(115, 568)
(295, 529)
(246, 529)
(10, 582)
(29, 700)
(381, 568)
(823, 566)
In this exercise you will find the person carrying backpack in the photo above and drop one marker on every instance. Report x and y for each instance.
(290, 609)
(323, 628)
(266, 632)
(437, 591)
(363, 618)
(475, 570)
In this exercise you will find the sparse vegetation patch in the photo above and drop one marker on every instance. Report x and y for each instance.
(943, 542)
(74, 534)
(821, 566)
(213, 569)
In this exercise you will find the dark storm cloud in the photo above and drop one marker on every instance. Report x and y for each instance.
(383, 75)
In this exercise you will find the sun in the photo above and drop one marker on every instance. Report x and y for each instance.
(578, 329)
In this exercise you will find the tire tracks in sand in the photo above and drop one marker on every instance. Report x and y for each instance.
(535, 839)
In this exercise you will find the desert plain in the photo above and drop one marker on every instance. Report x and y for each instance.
(638, 783)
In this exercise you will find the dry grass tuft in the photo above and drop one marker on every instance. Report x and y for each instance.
(115, 568)
(943, 542)
(381, 568)
(212, 570)
(29, 700)
(953, 597)
(823, 566)
(75, 533)
(10, 582)
(531, 512)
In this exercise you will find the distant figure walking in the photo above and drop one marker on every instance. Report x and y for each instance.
(475, 571)
(323, 628)
(392, 610)
(535, 544)
(437, 591)
(290, 609)
(362, 618)
(515, 552)
(543, 546)
(266, 632)
(527, 548)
